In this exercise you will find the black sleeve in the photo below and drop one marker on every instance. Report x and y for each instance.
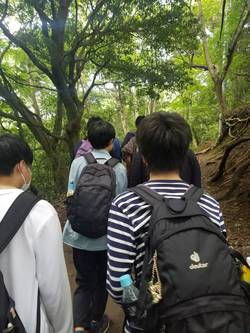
(191, 172)
(196, 172)
(137, 173)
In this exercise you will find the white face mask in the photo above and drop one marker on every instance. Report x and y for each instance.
(26, 185)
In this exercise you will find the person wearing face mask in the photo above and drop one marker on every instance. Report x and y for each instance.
(33, 262)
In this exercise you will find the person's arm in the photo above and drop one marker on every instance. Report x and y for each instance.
(116, 152)
(52, 274)
(75, 170)
(121, 178)
(213, 210)
(196, 171)
(121, 250)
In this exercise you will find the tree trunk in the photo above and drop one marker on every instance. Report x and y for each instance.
(218, 84)
(121, 110)
(195, 136)
(124, 122)
(60, 169)
(223, 128)
(72, 132)
(151, 105)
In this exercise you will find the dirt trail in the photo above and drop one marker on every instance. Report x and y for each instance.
(113, 310)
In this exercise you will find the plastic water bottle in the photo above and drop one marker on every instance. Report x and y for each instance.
(71, 189)
(130, 292)
(130, 296)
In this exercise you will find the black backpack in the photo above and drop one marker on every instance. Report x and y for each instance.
(88, 208)
(191, 278)
(11, 223)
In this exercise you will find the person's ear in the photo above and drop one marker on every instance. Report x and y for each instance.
(20, 166)
(110, 145)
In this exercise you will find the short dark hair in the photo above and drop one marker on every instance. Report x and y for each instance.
(13, 150)
(163, 139)
(139, 120)
(92, 120)
(100, 133)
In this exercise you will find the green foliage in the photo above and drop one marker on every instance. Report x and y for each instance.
(42, 176)
(115, 59)
(199, 106)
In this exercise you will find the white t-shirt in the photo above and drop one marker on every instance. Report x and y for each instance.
(34, 259)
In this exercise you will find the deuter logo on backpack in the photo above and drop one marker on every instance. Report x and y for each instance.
(88, 206)
(196, 258)
(194, 272)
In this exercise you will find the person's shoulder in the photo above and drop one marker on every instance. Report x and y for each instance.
(119, 167)
(209, 200)
(45, 206)
(125, 197)
(116, 141)
(78, 161)
(42, 213)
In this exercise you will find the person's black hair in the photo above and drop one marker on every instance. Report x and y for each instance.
(13, 150)
(92, 120)
(163, 139)
(100, 133)
(139, 120)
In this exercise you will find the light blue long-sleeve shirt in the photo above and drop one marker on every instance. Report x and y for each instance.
(73, 238)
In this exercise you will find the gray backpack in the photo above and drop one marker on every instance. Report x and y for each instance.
(88, 208)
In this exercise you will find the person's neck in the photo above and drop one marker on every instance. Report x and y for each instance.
(170, 175)
(8, 182)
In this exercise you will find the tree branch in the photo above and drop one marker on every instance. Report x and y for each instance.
(53, 8)
(235, 40)
(76, 14)
(31, 119)
(210, 65)
(24, 83)
(4, 52)
(222, 17)
(204, 67)
(59, 117)
(78, 39)
(93, 82)
(5, 10)
(24, 47)
(37, 6)
(11, 116)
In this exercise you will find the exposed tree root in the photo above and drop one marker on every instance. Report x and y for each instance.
(235, 180)
(229, 148)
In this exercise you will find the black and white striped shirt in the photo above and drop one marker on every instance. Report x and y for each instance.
(128, 223)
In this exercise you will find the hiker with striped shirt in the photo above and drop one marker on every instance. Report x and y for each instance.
(163, 139)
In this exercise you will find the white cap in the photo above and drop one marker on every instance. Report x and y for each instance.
(248, 260)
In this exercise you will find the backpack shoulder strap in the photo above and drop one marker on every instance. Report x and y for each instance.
(15, 217)
(90, 158)
(193, 193)
(149, 196)
(112, 162)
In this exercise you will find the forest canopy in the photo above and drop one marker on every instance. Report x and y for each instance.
(62, 61)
